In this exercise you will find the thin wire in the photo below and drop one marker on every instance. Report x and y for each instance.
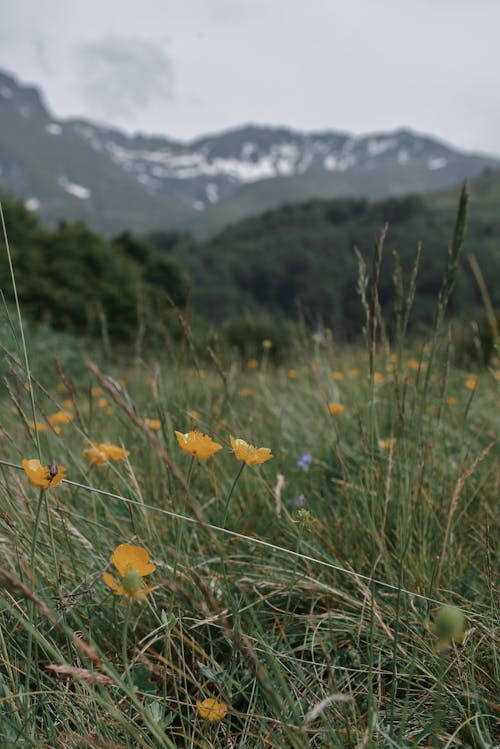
(251, 539)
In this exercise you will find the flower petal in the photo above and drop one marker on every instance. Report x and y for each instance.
(126, 557)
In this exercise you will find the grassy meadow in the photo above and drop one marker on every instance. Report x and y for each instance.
(335, 590)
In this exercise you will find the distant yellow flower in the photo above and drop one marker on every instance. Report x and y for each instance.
(102, 403)
(252, 364)
(154, 424)
(113, 452)
(378, 377)
(61, 417)
(197, 444)
(354, 372)
(95, 455)
(39, 427)
(211, 709)
(247, 392)
(394, 358)
(45, 477)
(337, 376)
(132, 564)
(96, 391)
(67, 403)
(249, 454)
(387, 444)
(471, 383)
(452, 401)
(336, 409)
(496, 374)
(413, 364)
(202, 374)
(293, 374)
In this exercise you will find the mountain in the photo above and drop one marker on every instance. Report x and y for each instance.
(77, 169)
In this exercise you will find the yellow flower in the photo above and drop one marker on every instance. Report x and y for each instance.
(67, 403)
(336, 409)
(39, 427)
(452, 401)
(61, 417)
(202, 374)
(378, 377)
(354, 372)
(247, 392)
(394, 358)
(413, 364)
(471, 383)
(337, 376)
(252, 364)
(45, 477)
(113, 452)
(293, 374)
(132, 564)
(211, 709)
(252, 456)
(387, 444)
(102, 403)
(153, 424)
(96, 391)
(95, 455)
(197, 444)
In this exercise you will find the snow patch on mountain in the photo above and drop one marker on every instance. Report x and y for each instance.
(437, 162)
(78, 191)
(53, 128)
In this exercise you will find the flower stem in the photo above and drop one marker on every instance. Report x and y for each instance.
(126, 666)
(226, 506)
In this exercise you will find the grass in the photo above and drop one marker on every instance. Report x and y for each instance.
(310, 609)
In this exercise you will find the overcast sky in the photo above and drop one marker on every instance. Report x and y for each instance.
(183, 68)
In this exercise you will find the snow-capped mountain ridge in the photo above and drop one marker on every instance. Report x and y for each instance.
(74, 168)
(258, 153)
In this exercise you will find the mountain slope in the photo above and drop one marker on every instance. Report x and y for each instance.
(77, 169)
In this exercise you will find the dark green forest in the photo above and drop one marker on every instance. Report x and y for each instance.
(298, 261)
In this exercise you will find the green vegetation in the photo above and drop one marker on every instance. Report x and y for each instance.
(74, 280)
(340, 594)
(300, 259)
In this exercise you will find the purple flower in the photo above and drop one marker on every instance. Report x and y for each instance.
(297, 501)
(305, 461)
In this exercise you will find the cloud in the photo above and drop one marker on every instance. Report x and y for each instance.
(120, 75)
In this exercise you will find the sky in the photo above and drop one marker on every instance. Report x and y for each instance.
(184, 68)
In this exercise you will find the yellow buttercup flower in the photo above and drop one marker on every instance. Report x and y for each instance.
(378, 377)
(336, 409)
(96, 391)
(354, 372)
(95, 455)
(113, 452)
(293, 374)
(252, 364)
(132, 564)
(61, 417)
(211, 709)
(338, 376)
(252, 456)
(38, 427)
(471, 383)
(45, 477)
(197, 444)
(154, 424)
